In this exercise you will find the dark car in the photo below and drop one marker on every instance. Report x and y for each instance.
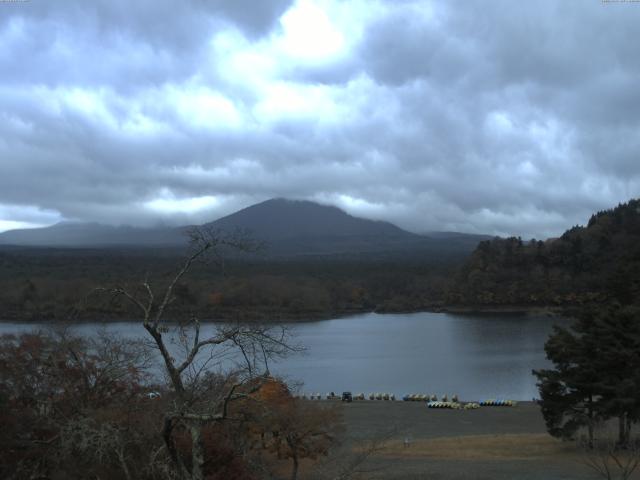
(347, 397)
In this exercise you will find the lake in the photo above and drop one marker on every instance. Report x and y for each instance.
(474, 356)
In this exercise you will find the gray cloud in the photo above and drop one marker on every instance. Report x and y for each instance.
(485, 117)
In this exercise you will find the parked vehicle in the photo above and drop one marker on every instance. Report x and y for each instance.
(347, 397)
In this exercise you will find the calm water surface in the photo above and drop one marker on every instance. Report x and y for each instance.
(474, 356)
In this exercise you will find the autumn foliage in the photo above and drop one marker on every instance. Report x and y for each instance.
(72, 408)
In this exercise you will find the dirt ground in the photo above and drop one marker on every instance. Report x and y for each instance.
(489, 443)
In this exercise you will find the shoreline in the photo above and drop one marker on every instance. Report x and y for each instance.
(272, 318)
(550, 311)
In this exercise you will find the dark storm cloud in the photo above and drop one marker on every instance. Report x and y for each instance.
(478, 116)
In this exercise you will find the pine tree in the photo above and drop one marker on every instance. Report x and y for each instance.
(617, 331)
(596, 374)
(569, 393)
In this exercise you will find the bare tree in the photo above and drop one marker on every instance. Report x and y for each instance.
(297, 429)
(199, 398)
(611, 461)
(356, 458)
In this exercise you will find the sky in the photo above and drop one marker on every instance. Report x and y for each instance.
(487, 116)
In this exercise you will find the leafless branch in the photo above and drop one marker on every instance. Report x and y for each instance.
(610, 461)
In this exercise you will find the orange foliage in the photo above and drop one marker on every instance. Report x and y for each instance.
(215, 298)
(273, 392)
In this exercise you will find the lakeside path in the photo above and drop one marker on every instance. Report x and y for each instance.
(490, 443)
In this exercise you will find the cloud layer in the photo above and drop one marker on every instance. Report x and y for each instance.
(494, 117)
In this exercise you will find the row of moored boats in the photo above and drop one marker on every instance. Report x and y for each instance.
(432, 401)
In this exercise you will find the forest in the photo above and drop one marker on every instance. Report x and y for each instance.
(56, 284)
(596, 263)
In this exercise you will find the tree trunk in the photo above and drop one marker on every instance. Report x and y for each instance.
(590, 425)
(294, 470)
(622, 430)
(174, 375)
(292, 444)
(167, 434)
(197, 451)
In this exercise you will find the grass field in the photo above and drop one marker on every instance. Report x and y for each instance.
(483, 447)
(491, 443)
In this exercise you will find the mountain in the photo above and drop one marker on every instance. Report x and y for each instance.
(287, 227)
(596, 262)
(294, 227)
(280, 219)
(72, 234)
(297, 227)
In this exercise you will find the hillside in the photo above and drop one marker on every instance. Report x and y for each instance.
(592, 263)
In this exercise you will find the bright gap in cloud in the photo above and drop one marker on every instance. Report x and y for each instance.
(309, 33)
(282, 100)
(358, 207)
(14, 225)
(26, 216)
(168, 204)
(92, 104)
(203, 107)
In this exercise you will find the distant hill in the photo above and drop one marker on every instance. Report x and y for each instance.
(288, 228)
(72, 234)
(594, 263)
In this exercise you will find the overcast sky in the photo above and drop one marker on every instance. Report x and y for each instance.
(490, 116)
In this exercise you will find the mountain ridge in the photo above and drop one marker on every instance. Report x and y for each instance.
(289, 227)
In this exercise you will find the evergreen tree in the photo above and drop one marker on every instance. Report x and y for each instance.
(596, 374)
(617, 331)
(569, 393)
